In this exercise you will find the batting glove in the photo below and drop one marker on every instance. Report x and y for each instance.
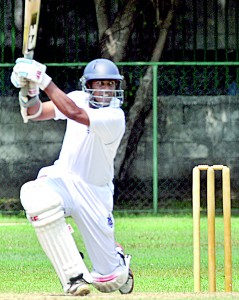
(18, 82)
(27, 101)
(21, 82)
(33, 89)
(32, 71)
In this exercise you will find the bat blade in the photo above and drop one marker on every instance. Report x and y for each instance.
(31, 21)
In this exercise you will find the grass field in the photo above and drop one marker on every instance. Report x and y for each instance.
(162, 258)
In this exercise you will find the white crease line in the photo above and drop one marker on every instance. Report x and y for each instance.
(12, 224)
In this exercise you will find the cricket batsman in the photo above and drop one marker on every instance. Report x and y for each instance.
(79, 183)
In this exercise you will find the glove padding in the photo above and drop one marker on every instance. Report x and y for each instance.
(27, 101)
(30, 70)
(21, 82)
(33, 89)
(17, 81)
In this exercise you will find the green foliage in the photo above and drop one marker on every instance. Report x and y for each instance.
(161, 249)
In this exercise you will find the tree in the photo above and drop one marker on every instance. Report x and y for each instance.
(113, 38)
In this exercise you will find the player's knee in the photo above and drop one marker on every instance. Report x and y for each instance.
(41, 203)
(111, 282)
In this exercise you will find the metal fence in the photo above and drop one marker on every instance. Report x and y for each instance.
(200, 59)
(201, 31)
(151, 187)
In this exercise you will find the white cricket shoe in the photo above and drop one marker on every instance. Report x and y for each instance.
(79, 287)
(128, 287)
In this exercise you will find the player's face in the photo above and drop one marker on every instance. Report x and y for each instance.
(103, 88)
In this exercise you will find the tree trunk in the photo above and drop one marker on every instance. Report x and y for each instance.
(115, 38)
(141, 108)
(101, 17)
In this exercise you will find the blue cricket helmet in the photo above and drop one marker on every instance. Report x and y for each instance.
(102, 69)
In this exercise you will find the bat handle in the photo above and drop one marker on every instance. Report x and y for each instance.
(24, 90)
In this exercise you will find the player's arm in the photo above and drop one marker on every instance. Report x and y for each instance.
(47, 111)
(31, 106)
(66, 105)
(30, 70)
(62, 102)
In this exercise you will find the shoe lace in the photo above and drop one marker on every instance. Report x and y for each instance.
(73, 280)
(121, 254)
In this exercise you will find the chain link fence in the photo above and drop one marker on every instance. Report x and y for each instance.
(197, 123)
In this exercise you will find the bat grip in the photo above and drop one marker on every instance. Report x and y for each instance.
(24, 90)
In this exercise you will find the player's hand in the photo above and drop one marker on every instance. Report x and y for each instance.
(18, 82)
(22, 82)
(32, 71)
(33, 89)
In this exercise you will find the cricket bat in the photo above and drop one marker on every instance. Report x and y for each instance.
(31, 21)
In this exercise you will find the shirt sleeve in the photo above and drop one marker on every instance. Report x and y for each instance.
(58, 114)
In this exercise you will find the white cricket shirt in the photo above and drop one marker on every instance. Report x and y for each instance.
(89, 152)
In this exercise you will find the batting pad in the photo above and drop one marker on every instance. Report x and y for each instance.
(48, 219)
(59, 246)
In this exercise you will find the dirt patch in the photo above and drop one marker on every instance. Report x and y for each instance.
(116, 296)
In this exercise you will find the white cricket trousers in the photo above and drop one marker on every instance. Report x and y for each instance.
(91, 208)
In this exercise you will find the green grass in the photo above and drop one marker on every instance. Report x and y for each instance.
(161, 249)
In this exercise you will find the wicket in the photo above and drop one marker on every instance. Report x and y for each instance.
(226, 198)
